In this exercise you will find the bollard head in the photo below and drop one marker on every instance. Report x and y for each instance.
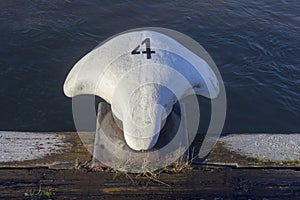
(141, 74)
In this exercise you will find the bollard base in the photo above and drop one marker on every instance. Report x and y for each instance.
(110, 148)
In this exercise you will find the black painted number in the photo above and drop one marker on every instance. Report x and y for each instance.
(148, 50)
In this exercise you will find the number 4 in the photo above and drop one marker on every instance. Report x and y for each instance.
(148, 49)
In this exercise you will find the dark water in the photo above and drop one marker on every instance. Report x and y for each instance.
(256, 46)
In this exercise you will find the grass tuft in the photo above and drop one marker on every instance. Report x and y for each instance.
(38, 194)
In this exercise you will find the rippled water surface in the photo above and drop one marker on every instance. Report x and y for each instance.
(255, 44)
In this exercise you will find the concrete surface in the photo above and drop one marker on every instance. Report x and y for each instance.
(20, 149)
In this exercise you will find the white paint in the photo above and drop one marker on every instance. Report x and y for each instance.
(280, 147)
(126, 81)
(22, 146)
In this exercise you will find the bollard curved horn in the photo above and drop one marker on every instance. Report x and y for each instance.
(142, 73)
